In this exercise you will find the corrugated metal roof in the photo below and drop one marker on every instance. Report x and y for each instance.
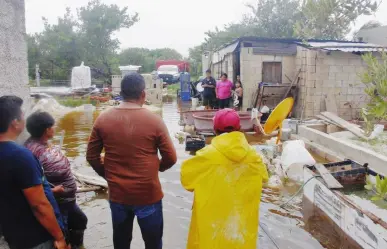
(219, 55)
(348, 47)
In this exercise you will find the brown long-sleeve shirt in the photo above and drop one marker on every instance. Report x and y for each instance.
(132, 138)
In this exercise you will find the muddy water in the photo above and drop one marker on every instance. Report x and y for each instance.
(284, 227)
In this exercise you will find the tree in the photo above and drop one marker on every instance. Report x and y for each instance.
(147, 58)
(273, 18)
(55, 46)
(195, 59)
(375, 79)
(331, 19)
(98, 23)
(89, 37)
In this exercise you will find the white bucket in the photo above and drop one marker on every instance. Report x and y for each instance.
(294, 157)
(378, 130)
(88, 107)
(195, 102)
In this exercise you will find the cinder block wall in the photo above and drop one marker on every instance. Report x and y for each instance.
(251, 71)
(335, 75)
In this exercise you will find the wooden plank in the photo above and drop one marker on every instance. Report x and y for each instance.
(345, 124)
(331, 182)
(327, 120)
(330, 103)
(295, 80)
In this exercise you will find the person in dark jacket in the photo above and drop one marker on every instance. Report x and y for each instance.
(58, 172)
(209, 85)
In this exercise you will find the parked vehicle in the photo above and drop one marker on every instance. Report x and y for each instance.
(170, 70)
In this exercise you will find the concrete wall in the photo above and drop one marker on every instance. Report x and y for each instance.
(376, 35)
(251, 71)
(154, 87)
(334, 75)
(13, 49)
(13, 54)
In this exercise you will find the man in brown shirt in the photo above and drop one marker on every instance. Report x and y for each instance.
(132, 136)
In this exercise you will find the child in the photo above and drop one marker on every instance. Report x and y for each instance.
(239, 93)
(226, 178)
(58, 172)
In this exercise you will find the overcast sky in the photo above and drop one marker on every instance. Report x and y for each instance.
(178, 24)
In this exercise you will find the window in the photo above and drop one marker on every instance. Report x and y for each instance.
(272, 72)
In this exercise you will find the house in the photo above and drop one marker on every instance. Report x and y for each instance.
(328, 72)
(376, 35)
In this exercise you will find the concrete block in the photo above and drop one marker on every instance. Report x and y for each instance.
(335, 69)
(349, 69)
(328, 83)
(341, 76)
(355, 62)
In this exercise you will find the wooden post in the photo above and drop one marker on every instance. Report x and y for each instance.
(37, 75)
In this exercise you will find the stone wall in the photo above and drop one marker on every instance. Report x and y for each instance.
(332, 74)
(251, 71)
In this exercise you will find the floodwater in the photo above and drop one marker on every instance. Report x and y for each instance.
(279, 228)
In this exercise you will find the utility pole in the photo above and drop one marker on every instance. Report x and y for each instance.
(37, 75)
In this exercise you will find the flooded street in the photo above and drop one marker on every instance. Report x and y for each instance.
(278, 229)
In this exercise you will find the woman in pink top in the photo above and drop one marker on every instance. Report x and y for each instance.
(223, 91)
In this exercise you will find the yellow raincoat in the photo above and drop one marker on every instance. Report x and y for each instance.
(226, 178)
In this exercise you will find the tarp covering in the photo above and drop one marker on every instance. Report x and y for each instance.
(226, 178)
(80, 77)
(220, 54)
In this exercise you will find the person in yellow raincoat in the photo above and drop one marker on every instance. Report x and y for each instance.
(226, 178)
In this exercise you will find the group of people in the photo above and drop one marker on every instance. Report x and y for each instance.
(38, 207)
(37, 188)
(219, 94)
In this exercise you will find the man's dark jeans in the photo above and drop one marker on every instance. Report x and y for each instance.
(149, 218)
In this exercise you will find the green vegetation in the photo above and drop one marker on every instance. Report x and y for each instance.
(146, 58)
(318, 19)
(172, 89)
(87, 37)
(380, 189)
(75, 102)
(375, 79)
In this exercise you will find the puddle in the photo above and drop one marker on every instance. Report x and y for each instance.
(284, 227)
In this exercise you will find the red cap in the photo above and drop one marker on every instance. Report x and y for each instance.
(227, 120)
